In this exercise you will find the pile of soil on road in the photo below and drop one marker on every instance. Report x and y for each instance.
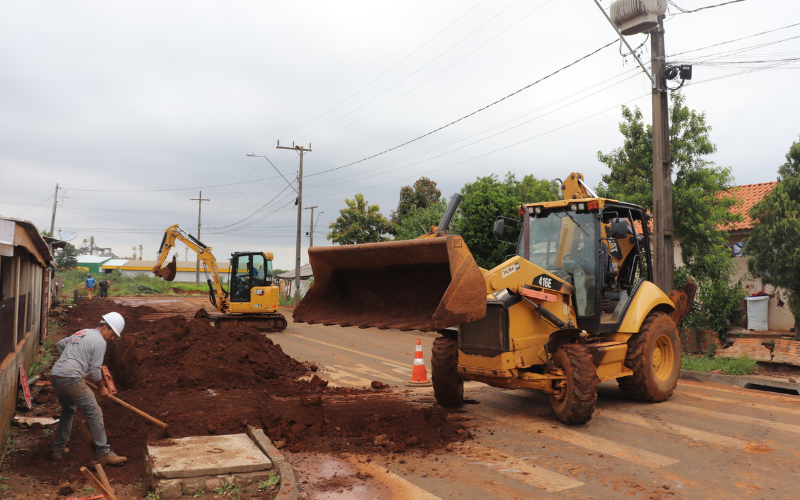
(202, 380)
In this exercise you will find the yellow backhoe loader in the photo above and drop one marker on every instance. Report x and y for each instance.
(253, 297)
(574, 307)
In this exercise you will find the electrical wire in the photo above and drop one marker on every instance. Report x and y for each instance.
(387, 71)
(470, 114)
(737, 39)
(685, 11)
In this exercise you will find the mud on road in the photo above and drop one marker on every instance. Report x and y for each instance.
(202, 380)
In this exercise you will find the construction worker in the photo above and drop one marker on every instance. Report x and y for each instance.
(90, 282)
(81, 356)
(104, 284)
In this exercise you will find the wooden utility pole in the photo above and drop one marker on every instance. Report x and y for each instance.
(300, 150)
(199, 201)
(311, 227)
(663, 245)
(53, 219)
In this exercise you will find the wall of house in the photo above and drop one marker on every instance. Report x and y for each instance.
(22, 281)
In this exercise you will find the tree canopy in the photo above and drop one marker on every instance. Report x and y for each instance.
(359, 222)
(67, 258)
(700, 201)
(421, 196)
(774, 242)
(419, 221)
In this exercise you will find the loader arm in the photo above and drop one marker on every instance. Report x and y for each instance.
(168, 272)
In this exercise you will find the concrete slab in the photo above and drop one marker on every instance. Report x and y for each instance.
(206, 456)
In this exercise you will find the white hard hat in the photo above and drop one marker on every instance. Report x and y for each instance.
(115, 321)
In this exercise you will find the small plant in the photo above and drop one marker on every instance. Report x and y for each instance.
(271, 481)
(4, 487)
(199, 493)
(89, 489)
(4, 478)
(153, 495)
(739, 366)
(771, 344)
(226, 489)
(712, 350)
(47, 432)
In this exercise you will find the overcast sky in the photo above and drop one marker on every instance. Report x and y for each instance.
(134, 107)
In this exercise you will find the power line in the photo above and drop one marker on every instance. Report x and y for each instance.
(470, 114)
(387, 71)
(685, 11)
(737, 39)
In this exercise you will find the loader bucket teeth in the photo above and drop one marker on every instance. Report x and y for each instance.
(425, 284)
(169, 271)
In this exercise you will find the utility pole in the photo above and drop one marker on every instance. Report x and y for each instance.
(199, 201)
(311, 227)
(53, 220)
(663, 246)
(300, 150)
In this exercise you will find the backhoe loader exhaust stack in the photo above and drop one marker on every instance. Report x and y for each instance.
(427, 284)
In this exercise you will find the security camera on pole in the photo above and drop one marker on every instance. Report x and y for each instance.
(630, 17)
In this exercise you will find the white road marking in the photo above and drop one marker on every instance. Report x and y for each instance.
(397, 369)
(742, 392)
(736, 418)
(695, 434)
(399, 487)
(366, 370)
(344, 377)
(736, 402)
(516, 468)
(385, 360)
(559, 432)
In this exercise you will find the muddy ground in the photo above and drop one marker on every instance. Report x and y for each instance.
(201, 380)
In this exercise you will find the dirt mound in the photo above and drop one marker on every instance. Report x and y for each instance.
(202, 380)
(178, 353)
(87, 314)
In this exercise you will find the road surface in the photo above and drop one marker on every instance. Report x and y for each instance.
(707, 441)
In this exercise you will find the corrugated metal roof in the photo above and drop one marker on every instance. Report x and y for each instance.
(305, 272)
(92, 259)
(38, 239)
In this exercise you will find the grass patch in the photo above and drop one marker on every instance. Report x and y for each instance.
(122, 284)
(740, 366)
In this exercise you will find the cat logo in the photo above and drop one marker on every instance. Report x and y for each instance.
(258, 292)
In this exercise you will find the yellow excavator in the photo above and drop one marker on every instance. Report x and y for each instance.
(253, 297)
(575, 306)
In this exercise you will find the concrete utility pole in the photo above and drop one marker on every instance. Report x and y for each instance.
(311, 227)
(199, 201)
(300, 150)
(53, 219)
(663, 245)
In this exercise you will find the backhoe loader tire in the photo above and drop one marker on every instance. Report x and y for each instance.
(447, 387)
(654, 355)
(575, 405)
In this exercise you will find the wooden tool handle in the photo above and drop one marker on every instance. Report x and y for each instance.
(96, 483)
(130, 407)
(103, 479)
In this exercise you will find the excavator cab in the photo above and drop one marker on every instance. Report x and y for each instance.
(249, 272)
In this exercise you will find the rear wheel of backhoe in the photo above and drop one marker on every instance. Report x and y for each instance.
(447, 387)
(654, 355)
(575, 397)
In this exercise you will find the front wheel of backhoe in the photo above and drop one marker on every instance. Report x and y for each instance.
(447, 387)
(575, 397)
(654, 355)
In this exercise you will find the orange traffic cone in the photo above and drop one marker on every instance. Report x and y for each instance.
(419, 376)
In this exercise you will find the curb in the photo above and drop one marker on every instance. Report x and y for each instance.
(743, 381)
(288, 485)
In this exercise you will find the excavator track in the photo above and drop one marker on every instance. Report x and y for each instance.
(270, 322)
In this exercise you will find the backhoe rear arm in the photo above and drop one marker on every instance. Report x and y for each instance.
(203, 252)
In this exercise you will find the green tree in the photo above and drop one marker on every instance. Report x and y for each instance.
(422, 195)
(774, 243)
(488, 198)
(359, 222)
(419, 221)
(701, 203)
(67, 258)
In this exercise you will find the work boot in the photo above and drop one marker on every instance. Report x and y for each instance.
(58, 455)
(112, 459)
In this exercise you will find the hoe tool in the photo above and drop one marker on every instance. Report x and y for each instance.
(156, 421)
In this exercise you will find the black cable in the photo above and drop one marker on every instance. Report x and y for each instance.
(470, 114)
(684, 11)
(736, 39)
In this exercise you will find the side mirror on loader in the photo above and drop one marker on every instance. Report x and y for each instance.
(499, 229)
(619, 228)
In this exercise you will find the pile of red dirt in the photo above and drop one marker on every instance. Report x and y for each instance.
(202, 380)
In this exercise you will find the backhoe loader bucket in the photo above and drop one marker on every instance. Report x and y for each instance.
(169, 271)
(425, 284)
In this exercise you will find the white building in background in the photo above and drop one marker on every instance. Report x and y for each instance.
(187, 270)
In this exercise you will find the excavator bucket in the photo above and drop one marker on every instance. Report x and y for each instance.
(425, 284)
(169, 271)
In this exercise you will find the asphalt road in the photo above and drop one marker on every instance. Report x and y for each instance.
(708, 441)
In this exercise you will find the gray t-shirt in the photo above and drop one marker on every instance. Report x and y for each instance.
(81, 355)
